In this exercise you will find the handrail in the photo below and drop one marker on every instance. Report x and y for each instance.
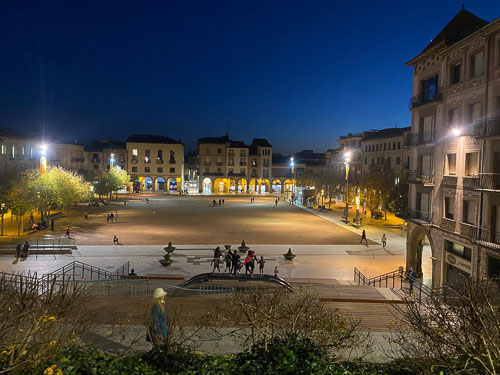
(223, 276)
(363, 280)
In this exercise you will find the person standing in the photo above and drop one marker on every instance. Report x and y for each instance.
(67, 232)
(116, 217)
(363, 237)
(276, 203)
(157, 330)
(220, 202)
(52, 225)
(384, 241)
(228, 259)
(85, 215)
(223, 202)
(236, 262)
(217, 252)
(261, 264)
(24, 253)
(19, 248)
(215, 262)
(276, 271)
(412, 276)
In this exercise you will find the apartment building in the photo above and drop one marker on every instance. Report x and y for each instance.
(386, 148)
(349, 143)
(156, 163)
(454, 191)
(231, 166)
(102, 153)
(18, 151)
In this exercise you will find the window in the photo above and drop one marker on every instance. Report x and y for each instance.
(96, 166)
(172, 170)
(147, 154)
(373, 161)
(172, 156)
(147, 169)
(135, 152)
(429, 88)
(13, 152)
(219, 150)
(159, 169)
(134, 169)
(160, 155)
(388, 162)
(4, 149)
(376, 148)
(426, 165)
(477, 64)
(219, 170)
(474, 111)
(22, 150)
(471, 163)
(385, 146)
(449, 208)
(451, 164)
(230, 170)
(399, 145)
(242, 171)
(398, 160)
(366, 148)
(453, 117)
(469, 212)
(207, 169)
(461, 251)
(31, 153)
(254, 162)
(366, 161)
(455, 73)
(242, 153)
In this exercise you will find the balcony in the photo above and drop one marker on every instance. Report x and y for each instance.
(212, 174)
(147, 160)
(450, 181)
(487, 182)
(243, 164)
(134, 161)
(470, 182)
(422, 99)
(231, 174)
(230, 164)
(159, 161)
(171, 161)
(419, 139)
(207, 163)
(486, 128)
(420, 178)
(448, 224)
(219, 163)
(486, 237)
(96, 160)
(77, 160)
(420, 215)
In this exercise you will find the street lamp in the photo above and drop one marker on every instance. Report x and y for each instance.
(111, 161)
(43, 158)
(456, 132)
(292, 166)
(347, 160)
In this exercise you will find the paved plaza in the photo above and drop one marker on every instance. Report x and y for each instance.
(325, 246)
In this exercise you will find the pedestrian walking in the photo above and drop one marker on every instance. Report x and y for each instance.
(24, 252)
(228, 259)
(52, 225)
(220, 202)
(111, 217)
(384, 241)
(412, 276)
(67, 232)
(217, 252)
(261, 264)
(157, 327)
(214, 203)
(215, 262)
(107, 218)
(276, 271)
(85, 216)
(223, 202)
(19, 248)
(147, 200)
(116, 217)
(276, 203)
(125, 203)
(248, 262)
(363, 237)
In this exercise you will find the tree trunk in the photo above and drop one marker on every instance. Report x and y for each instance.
(1, 225)
(18, 226)
(330, 203)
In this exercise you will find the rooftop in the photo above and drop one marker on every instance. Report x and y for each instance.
(386, 133)
(145, 138)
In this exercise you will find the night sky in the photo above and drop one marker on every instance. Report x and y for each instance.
(299, 73)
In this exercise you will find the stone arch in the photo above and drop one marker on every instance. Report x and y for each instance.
(221, 185)
(265, 185)
(160, 184)
(174, 184)
(233, 187)
(206, 185)
(148, 184)
(253, 186)
(242, 185)
(419, 250)
(276, 186)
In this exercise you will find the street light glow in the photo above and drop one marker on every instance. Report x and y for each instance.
(43, 149)
(456, 132)
(347, 156)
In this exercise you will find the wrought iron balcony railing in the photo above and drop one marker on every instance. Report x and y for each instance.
(418, 139)
(159, 161)
(420, 215)
(416, 177)
(487, 181)
(422, 99)
(483, 234)
(486, 128)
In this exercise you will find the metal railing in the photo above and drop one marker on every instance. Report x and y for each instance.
(82, 271)
(420, 215)
(52, 242)
(483, 234)
(422, 99)
(486, 128)
(417, 177)
(382, 281)
(417, 139)
(487, 181)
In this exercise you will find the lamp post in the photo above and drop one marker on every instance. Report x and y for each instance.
(292, 166)
(111, 161)
(43, 158)
(347, 160)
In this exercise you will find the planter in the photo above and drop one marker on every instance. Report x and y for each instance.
(243, 249)
(289, 255)
(165, 263)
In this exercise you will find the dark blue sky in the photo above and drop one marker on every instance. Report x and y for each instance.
(300, 73)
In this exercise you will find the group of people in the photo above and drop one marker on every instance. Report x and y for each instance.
(22, 250)
(234, 263)
(112, 217)
(221, 203)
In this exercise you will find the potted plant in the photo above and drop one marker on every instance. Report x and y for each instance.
(227, 247)
(169, 249)
(243, 247)
(289, 255)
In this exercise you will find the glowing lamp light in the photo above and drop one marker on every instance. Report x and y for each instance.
(456, 132)
(43, 149)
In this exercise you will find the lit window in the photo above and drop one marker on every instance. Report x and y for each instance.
(477, 64)
(4, 149)
(449, 208)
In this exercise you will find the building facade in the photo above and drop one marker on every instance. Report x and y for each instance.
(228, 166)
(18, 151)
(156, 163)
(454, 191)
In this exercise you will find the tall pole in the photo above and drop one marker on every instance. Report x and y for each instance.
(347, 159)
(43, 159)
